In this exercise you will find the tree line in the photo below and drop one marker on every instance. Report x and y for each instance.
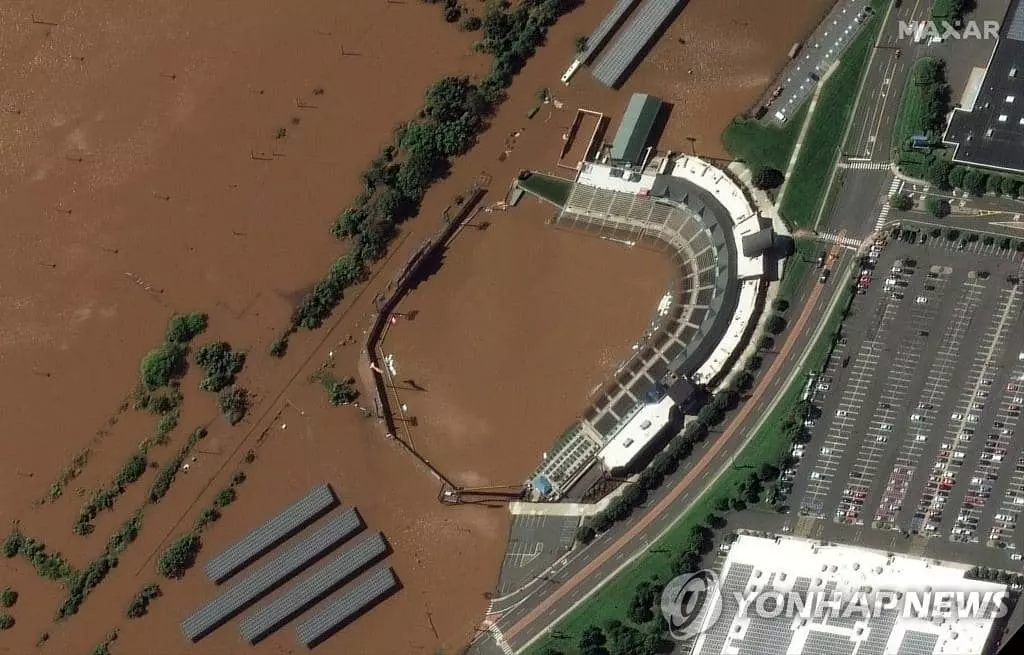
(454, 113)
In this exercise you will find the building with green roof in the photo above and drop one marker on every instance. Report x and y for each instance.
(635, 128)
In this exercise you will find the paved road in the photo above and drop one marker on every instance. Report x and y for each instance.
(524, 616)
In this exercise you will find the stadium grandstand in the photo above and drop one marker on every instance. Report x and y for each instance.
(701, 216)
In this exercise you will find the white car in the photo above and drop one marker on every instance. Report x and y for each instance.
(815, 475)
(921, 300)
(886, 426)
(972, 418)
(956, 417)
(915, 417)
(881, 438)
(1016, 557)
(842, 413)
(920, 437)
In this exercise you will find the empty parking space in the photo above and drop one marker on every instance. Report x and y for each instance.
(921, 399)
(535, 542)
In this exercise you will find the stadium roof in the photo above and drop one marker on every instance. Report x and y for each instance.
(617, 58)
(356, 600)
(271, 575)
(758, 243)
(637, 434)
(717, 220)
(992, 133)
(260, 540)
(635, 128)
(303, 594)
(812, 570)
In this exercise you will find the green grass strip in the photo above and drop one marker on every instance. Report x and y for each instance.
(807, 182)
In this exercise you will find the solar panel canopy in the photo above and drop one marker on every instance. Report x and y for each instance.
(260, 540)
(268, 577)
(346, 607)
(303, 594)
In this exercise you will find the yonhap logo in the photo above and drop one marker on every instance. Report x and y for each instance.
(691, 604)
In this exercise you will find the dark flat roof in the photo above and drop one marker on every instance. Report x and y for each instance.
(992, 134)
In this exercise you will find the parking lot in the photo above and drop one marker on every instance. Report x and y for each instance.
(921, 400)
(796, 83)
(535, 543)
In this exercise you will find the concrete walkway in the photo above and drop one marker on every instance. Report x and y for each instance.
(803, 130)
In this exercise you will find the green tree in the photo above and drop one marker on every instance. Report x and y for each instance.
(775, 324)
(1010, 187)
(768, 178)
(938, 173)
(579, 44)
(591, 639)
(585, 533)
(937, 207)
(225, 497)
(179, 556)
(6, 621)
(974, 182)
(780, 305)
(161, 364)
(901, 201)
(641, 606)
(233, 403)
(182, 328)
(994, 184)
(956, 177)
(220, 364)
(8, 597)
(470, 23)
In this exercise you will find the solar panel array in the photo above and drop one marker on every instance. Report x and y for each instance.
(605, 27)
(302, 595)
(368, 591)
(632, 40)
(825, 643)
(207, 618)
(918, 643)
(289, 521)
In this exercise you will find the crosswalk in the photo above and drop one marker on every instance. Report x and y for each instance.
(499, 639)
(833, 237)
(867, 165)
(884, 213)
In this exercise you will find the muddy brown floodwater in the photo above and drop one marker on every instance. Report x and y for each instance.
(176, 156)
